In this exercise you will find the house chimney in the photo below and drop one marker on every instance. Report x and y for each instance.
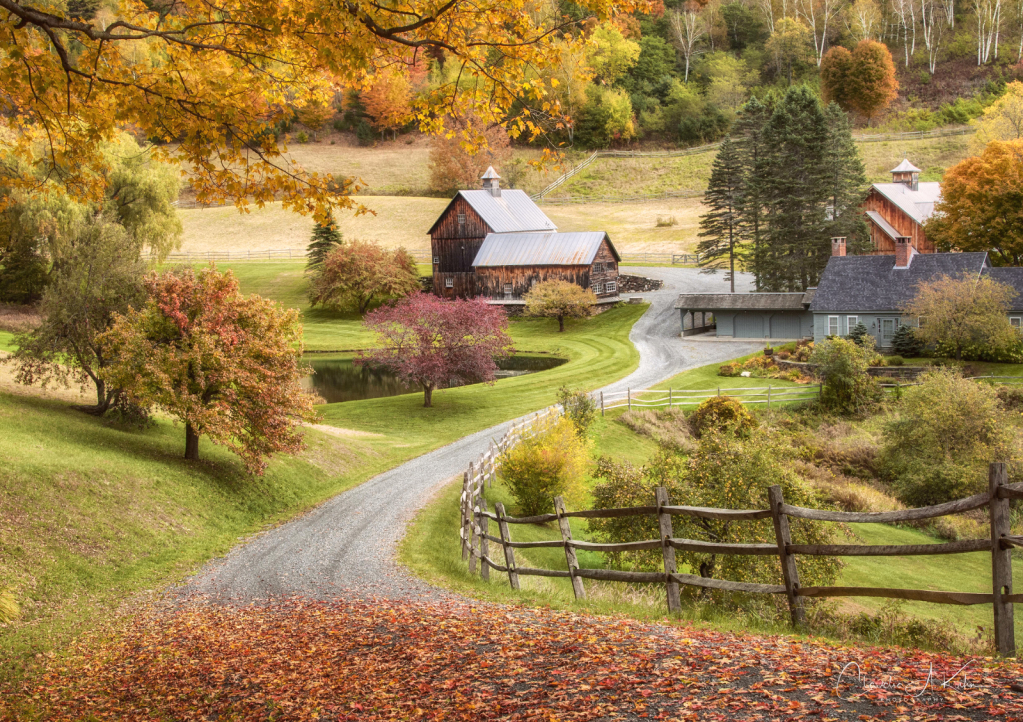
(492, 182)
(903, 252)
(907, 174)
(838, 246)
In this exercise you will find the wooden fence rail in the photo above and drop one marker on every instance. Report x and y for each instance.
(476, 537)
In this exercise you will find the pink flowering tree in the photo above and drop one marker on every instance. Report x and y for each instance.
(427, 341)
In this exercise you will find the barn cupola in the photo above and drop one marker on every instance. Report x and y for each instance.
(907, 174)
(492, 182)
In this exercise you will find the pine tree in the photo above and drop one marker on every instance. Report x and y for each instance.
(325, 237)
(719, 227)
(846, 181)
(798, 244)
(858, 333)
(905, 343)
(748, 136)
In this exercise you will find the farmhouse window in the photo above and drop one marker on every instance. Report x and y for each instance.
(449, 283)
(832, 325)
(598, 267)
(461, 219)
(850, 323)
(612, 287)
(610, 266)
(1016, 322)
(507, 290)
(598, 288)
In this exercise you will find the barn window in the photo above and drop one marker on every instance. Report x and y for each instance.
(449, 283)
(461, 219)
(598, 288)
(598, 267)
(610, 266)
(832, 325)
(612, 287)
(436, 259)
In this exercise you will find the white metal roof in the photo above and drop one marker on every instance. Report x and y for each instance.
(491, 173)
(540, 249)
(905, 167)
(511, 212)
(917, 204)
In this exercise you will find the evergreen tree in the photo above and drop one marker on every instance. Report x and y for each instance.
(846, 181)
(798, 242)
(748, 136)
(719, 227)
(325, 238)
(905, 343)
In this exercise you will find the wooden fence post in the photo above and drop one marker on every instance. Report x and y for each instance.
(1001, 562)
(769, 397)
(669, 398)
(472, 519)
(484, 523)
(788, 562)
(465, 515)
(509, 552)
(566, 537)
(601, 403)
(664, 521)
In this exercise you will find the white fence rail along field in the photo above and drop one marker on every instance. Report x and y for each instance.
(293, 254)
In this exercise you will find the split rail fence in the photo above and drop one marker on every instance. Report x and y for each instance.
(295, 254)
(476, 538)
(656, 399)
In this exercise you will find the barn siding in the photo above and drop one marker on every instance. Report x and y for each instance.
(463, 285)
(882, 244)
(454, 246)
(491, 280)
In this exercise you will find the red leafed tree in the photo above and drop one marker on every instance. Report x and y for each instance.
(352, 276)
(226, 365)
(432, 342)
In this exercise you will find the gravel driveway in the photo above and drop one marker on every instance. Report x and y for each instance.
(346, 546)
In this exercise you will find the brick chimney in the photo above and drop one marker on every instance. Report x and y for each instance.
(838, 246)
(492, 182)
(903, 252)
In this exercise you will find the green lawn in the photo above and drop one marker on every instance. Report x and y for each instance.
(92, 513)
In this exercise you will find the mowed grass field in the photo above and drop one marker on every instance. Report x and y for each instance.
(404, 220)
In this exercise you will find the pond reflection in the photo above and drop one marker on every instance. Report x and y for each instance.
(338, 380)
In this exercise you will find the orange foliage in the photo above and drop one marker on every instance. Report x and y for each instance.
(456, 163)
(872, 81)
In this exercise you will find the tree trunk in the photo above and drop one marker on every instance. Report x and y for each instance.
(561, 323)
(104, 400)
(427, 396)
(191, 443)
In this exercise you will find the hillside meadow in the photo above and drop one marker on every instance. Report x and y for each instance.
(403, 220)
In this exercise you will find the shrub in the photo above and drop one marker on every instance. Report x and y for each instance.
(549, 464)
(622, 485)
(858, 333)
(842, 366)
(894, 361)
(729, 370)
(905, 343)
(722, 413)
(579, 408)
(948, 429)
(784, 355)
(803, 352)
(1010, 397)
(302, 137)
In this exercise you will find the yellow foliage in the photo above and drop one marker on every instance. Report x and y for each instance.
(550, 464)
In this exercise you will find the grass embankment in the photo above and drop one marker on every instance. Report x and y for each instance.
(92, 513)
(431, 549)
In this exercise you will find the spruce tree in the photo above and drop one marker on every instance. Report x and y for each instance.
(798, 242)
(719, 226)
(325, 238)
(846, 181)
(748, 136)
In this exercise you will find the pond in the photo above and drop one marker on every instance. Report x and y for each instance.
(339, 380)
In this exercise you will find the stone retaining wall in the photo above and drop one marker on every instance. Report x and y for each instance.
(890, 372)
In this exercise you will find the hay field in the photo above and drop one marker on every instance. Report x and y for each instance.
(404, 221)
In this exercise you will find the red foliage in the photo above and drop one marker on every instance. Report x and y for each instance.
(386, 661)
(355, 274)
(225, 364)
(432, 342)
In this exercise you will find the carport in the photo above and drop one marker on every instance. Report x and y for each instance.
(747, 315)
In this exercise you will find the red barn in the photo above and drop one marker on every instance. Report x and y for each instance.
(899, 209)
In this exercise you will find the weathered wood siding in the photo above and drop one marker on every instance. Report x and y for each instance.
(883, 245)
(454, 245)
(604, 269)
(463, 285)
(492, 281)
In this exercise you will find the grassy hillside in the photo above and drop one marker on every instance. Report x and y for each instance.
(404, 220)
(92, 513)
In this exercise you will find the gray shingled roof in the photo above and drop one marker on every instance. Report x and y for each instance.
(1013, 277)
(872, 283)
(511, 212)
(741, 301)
(917, 204)
(540, 249)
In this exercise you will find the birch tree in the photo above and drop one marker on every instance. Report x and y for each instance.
(819, 15)
(689, 28)
(934, 23)
(989, 20)
(864, 20)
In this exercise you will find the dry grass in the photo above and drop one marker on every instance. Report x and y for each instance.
(17, 319)
(668, 428)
